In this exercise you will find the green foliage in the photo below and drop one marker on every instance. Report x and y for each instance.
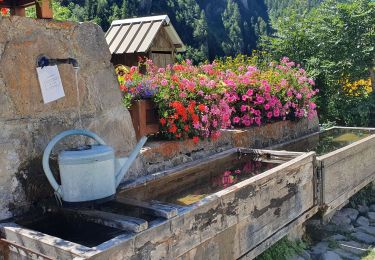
(370, 255)
(279, 8)
(335, 42)
(60, 13)
(366, 196)
(283, 250)
(233, 45)
(209, 28)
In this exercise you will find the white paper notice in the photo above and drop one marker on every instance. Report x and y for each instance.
(50, 83)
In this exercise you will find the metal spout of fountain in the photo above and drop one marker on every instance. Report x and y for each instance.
(44, 60)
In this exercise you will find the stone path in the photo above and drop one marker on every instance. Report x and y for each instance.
(349, 235)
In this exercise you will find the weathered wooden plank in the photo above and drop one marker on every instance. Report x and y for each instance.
(346, 169)
(260, 206)
(156, 208)
(339, 202)
(278, 235)
(43, 243)
(112, 220)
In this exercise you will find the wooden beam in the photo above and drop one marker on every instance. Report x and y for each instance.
(44, 9)
(112, 220)
(156, 208)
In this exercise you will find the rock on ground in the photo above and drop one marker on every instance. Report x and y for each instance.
(363, 237)
(362, 221)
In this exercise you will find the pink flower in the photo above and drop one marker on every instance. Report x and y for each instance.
(298, 96)
(236, 120)
(312, 105)
(258, 121)
(164, 82)
(243, 108)
(260, 99)
(246, 122)
(276, 112)
(183, 95)
(267, 106)
(244, 97)
(269, 115)
(227, 173)
(249, 92)
(283, 82)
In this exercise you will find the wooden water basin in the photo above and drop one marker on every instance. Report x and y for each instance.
(193, 210)
(345, 162)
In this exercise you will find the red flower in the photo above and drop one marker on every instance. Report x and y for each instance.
(180, 109)
(178, 67)
(123, 88)
(186, 128)
(191, 107)
(202, 107)
(4, 11)
(195, 139)
(175, 78)
(163, 121)
(173, 129)
(195, 118)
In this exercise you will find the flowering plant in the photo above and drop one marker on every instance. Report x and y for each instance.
(357, 88)
(4, 11)
(133, 85)
(197, 101)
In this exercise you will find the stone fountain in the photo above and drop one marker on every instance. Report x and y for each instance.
(27, 124)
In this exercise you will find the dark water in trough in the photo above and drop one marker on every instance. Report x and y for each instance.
(218, 176)
(72, 228)
(327, 141)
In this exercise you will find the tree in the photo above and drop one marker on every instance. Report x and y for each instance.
(231, 19)
(335, 42)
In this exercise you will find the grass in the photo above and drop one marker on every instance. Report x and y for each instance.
(369, 256)
(366, 196)
(333, 244)
(283, 250)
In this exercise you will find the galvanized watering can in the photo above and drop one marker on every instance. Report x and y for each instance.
(90, 174)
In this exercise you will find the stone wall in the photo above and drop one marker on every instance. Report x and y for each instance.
(163, 155)
(27, 124)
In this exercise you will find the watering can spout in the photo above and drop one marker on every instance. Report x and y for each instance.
(121, 173)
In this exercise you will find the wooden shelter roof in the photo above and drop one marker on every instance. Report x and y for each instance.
(137, 34)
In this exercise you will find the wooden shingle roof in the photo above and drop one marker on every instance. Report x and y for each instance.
(137, 34)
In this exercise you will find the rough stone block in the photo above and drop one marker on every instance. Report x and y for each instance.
(27, 124)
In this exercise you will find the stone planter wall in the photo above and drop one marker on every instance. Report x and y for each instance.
(163, 155)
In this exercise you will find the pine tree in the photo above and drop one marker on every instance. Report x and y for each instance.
(231, 20)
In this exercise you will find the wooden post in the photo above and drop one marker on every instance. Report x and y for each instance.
(44, 9)
(20, 11)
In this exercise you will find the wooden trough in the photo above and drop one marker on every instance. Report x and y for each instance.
(240, 220)
(342, 172)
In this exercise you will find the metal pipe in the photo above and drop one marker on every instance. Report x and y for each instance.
(43, 61)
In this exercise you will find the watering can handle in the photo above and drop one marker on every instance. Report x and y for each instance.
(51, 145)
